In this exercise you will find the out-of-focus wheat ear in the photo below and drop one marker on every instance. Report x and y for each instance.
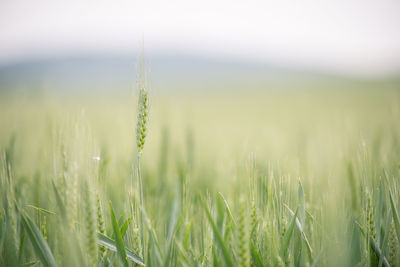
(100, 225)
(44, 228)
(63, 188)
(353, 187)
(370, 218)
(72, 197)
(279, 262)
(393, 254)
(253, 217)
(283, 227)
(371, 230)
(136, 242)
(243, 240)
(90, 225)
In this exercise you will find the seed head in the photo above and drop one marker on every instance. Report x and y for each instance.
(90, 225)
(243, 241)
(370, 217)
(143, 106)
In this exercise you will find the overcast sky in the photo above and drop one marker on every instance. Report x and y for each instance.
(345, 36)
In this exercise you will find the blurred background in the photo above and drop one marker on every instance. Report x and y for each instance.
(268, 74)
(92, 46)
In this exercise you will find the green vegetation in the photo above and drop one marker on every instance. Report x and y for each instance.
(288, 177)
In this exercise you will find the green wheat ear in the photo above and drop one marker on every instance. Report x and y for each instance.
(370, 217)
(243, 241)
(44, 228)
(142, 119)
(143, 105)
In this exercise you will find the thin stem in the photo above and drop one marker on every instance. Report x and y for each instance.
(141, 202)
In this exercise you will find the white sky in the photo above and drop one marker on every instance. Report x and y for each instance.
(353, 37)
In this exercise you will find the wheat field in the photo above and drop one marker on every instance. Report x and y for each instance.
(307, 175)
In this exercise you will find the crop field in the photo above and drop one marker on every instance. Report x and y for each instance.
(304, 175)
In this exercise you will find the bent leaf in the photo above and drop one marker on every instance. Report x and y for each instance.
(40, 246)
(110, 244)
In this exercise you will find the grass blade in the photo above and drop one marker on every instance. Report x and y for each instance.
(153, 236)
(303, 235)
(300, 222)
(182, 252)
(21, 246)
(60, 203)
(227, 207)
(288, 235)
(396, 218)
(125, 225)
(40, 246)
(118, 238)
(316, 260)
(375, 248)
(255, 255)
(110, 244)
(379, 214)
(32, 263)
(44, 211)
(385, 238)
(172, 229)
(378, 252)
(302, 210)
(355, 243)
(216, 261)
(221, 242)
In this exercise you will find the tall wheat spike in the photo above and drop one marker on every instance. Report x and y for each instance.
(143, 105)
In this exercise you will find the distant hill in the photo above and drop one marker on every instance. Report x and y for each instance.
(108, 73)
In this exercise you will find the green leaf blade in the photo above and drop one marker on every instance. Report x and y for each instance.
(118, 238)
(39, 244)
(218, 234)
(288, 235)
(396, 218)
(108, 243)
